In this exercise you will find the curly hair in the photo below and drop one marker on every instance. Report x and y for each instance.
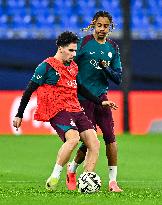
(95, 18)
(65, 38)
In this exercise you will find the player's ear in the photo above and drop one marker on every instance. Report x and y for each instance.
(60, 49)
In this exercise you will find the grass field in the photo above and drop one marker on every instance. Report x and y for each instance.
(27, 161)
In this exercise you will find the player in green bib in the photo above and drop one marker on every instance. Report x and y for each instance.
(98, 60)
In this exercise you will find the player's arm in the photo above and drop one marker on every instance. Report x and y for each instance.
(87, 94)
(32, 86)
(37, 80)
(114, 71)
(113, 74)
(82, 90)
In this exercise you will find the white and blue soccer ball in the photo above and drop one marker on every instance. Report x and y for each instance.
(89, 182)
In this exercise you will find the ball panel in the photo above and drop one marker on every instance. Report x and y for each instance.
(89, 182)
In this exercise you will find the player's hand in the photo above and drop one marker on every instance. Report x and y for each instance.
(102, 64)
(110, 104)
(17, 122)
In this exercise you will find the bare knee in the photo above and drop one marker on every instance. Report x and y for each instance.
(72, 138)
(90, 139)
(73, 142)
(95, 146)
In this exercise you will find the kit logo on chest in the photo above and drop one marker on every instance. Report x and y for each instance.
(109, 54)
(91, 53)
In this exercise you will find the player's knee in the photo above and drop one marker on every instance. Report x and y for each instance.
(73, 142)
(95, 145)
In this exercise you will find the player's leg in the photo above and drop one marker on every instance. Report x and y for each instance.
(89, 137)
(91, 141)
(81, 153)
(70, 136)
(71, 181)
(79, 158)
(105, 121)
(72, 139)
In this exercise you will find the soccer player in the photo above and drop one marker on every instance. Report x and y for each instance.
(57, 102)
(98, 61)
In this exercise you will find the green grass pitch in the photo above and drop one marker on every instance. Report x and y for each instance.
(27, 161)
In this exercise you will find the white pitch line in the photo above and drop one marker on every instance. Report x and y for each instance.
(142, 181)
(124, 181)
(10, 181)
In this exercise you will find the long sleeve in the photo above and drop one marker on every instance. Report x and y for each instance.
(87, 94)
(32, 86)
(39, 78)
(115, 76)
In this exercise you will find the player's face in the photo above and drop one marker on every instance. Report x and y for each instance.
(102, 27)
(69, 52)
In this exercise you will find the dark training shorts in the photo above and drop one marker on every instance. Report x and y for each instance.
(64, 121)
(102, 117)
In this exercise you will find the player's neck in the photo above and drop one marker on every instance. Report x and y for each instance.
(58, 57)
(99, 40)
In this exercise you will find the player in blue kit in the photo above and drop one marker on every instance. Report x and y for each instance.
(98, 60)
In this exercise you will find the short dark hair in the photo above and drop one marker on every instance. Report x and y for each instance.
(65, 38)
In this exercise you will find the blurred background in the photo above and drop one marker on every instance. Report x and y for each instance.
(28, 29)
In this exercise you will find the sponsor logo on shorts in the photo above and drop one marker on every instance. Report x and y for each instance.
(72, 123)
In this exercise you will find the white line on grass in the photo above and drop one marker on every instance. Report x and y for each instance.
(10, 181)
(141, 181)
(125, 181)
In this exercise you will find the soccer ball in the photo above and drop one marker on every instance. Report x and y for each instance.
(89, 182)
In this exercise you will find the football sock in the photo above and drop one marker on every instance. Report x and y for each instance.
(112, 173)
(73, 166)
(56, 171)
